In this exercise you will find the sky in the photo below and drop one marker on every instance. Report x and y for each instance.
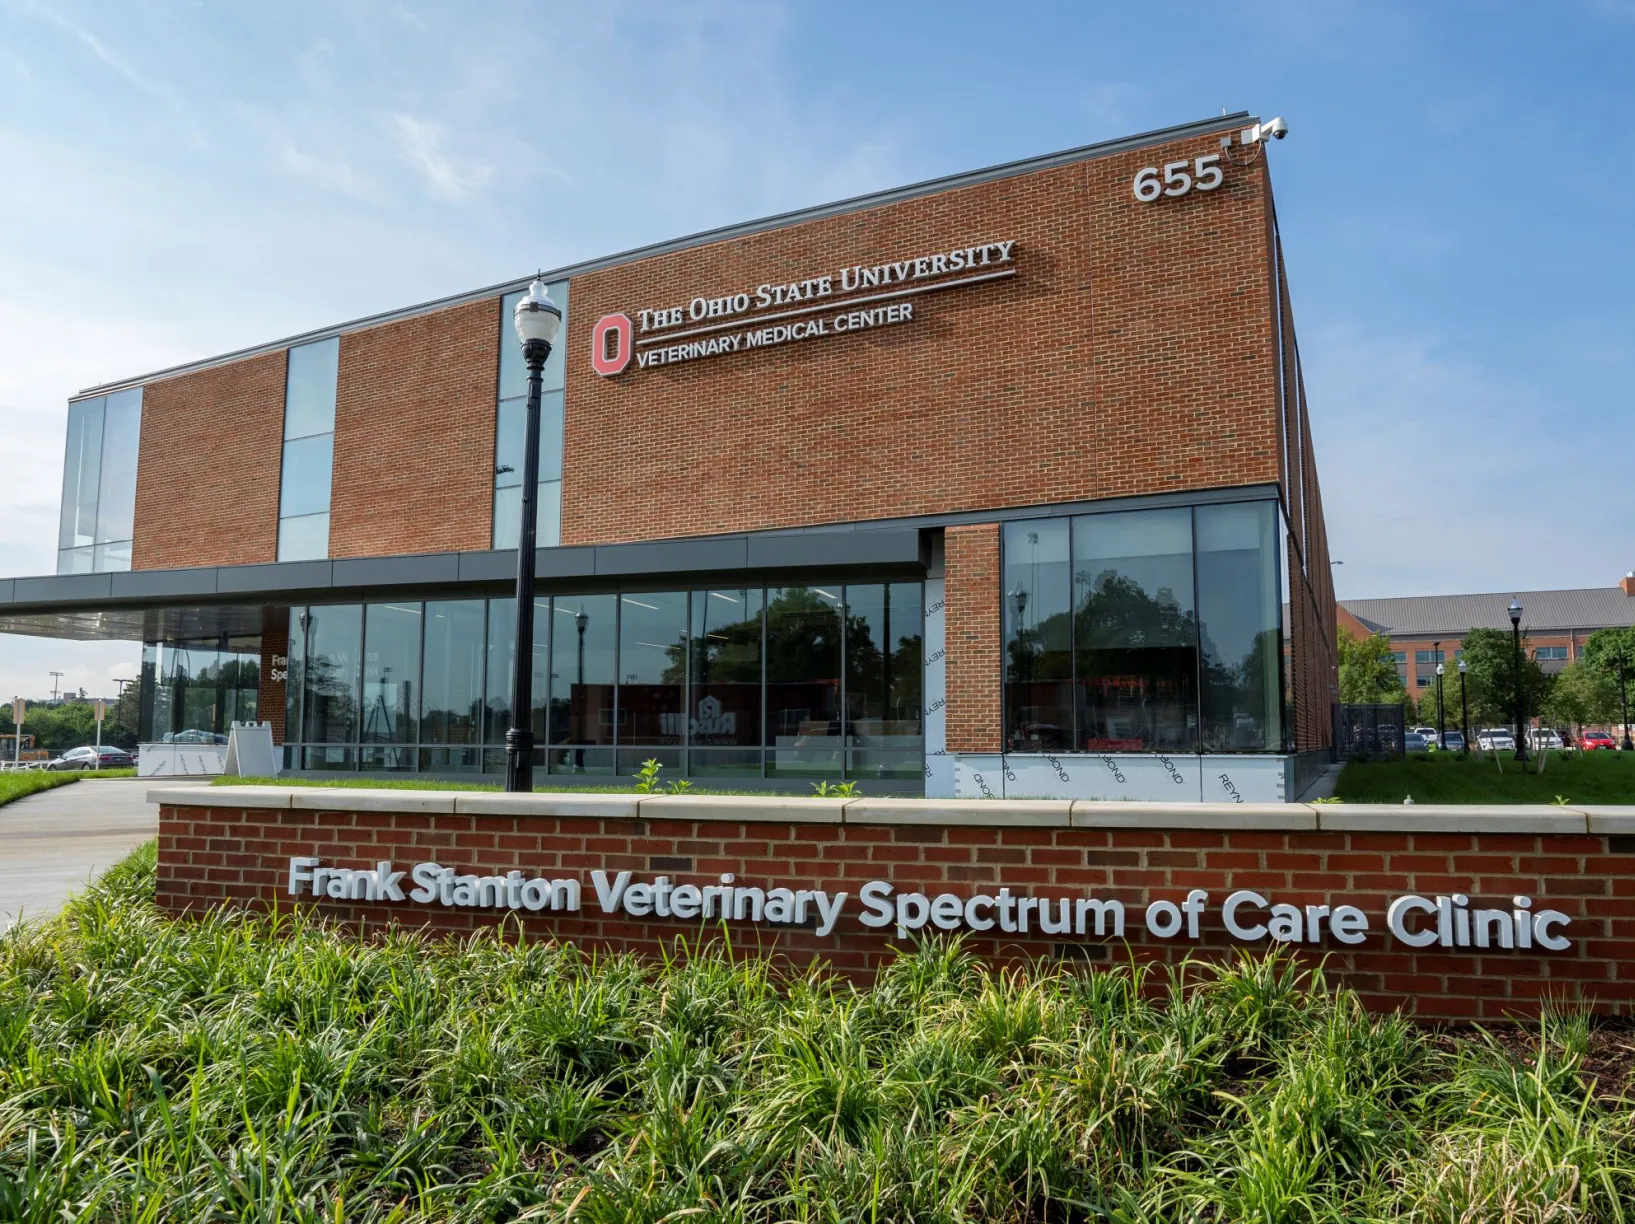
(1456, 198)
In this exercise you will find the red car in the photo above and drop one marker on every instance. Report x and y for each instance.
(1591, 740)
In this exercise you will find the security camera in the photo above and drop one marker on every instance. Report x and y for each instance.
(1274, 127)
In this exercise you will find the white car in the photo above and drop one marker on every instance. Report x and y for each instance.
(1543, 738)
(1496, 739)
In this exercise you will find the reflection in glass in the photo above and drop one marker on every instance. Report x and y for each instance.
(452, 676)
(1038, 637)
(309, 391)
(725, 706)
(1135, 632)
(308, 464)
(391, 674)
(81, 474)
(652, 667)
(116, 496)
(1239, 620)
(582, 675)
(510, 426)
(333, 637)
(513, 373)
(884, 670)
(502, 635)
(803, 636)
(303, 539)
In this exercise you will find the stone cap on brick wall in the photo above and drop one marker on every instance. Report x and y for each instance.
(1036, 813)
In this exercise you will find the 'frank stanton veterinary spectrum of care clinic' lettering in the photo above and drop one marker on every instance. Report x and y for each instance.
(1247, 916)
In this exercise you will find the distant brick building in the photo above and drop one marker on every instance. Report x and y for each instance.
(1429, 629)
(999, 483)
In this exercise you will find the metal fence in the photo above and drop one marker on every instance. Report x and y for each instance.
(1368, 732)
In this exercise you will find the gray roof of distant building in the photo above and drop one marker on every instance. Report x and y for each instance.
(1452, 615)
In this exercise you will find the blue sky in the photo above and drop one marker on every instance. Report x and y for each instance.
(1456, 198)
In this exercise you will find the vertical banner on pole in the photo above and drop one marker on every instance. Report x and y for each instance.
(100, 707)
(19, 707)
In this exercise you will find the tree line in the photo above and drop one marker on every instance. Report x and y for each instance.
(72, 723)
(1584, 693)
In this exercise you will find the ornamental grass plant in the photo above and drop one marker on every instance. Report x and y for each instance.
(272, 1068)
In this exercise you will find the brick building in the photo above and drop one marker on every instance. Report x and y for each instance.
(1429, 629)
(997, 484)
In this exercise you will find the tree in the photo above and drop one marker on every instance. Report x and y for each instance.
(1491, 678)
(1368, 670)
(1582, 694)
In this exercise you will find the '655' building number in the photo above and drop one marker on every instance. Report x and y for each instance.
(1205, 175)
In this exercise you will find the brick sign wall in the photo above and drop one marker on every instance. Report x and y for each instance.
(238, 846)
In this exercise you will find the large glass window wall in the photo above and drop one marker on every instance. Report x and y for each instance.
(193, 692)
(509, 429)
(1145, 631)
(98, 513)
(309, 450)
(809, 682)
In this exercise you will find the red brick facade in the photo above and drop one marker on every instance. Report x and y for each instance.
(197, 504)
(210, 855)
(414, 435)
(974, 639)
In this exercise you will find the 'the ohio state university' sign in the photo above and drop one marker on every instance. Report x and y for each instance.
(855, 298)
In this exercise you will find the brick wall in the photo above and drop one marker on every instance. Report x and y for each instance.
(414, 434)
(211, 855)
(208, 466)
(975, 667)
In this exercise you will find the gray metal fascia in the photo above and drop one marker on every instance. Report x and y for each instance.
(164, 584)
(275, 576)
(892, 195)
(710, 555)
(62, 588)
(419, 569)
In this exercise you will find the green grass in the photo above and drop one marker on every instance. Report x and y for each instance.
(1444, 777)
(272, 1069)
(32, 781)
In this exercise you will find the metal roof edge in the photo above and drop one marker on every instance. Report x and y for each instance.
(741, 229)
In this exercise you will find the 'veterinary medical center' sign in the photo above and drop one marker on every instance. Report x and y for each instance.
(852, 299)
(1412, 920)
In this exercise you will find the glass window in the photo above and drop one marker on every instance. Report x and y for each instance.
(652, 667)
(508, 473)
(333, 637)
(1552, 652)
(391, 673)
(75, 560)
(111, 558)
(81, 474)
(803, 643)
(1135, 632)
(308, 463)
(1239, 628)
(1428, 656)
(303, 539)
(452, 680)
(121, 435)
(1038, 637)
(1401, 656)
(513, 373)
(309, 393)
(884, 673)
(724, 710)
(583, 635)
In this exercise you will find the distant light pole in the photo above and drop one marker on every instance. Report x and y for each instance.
(1464, 707)
(55, 676)
(537, 321)
(1515, 642)
(1441, 731)
(1623, 693)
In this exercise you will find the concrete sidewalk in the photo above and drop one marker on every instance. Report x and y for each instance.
(53, 843)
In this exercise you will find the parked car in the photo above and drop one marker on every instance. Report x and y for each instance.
(1428, 732)
(1592, 740)
(1413, 741)
(1543, 739)
(1455, 740)
(1496, 739)
(92, 758)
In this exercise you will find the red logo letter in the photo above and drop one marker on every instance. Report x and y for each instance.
(606, 358)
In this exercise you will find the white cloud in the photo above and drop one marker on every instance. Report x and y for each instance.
(421, 143)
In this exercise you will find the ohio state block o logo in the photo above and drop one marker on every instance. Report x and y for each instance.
(610, 344)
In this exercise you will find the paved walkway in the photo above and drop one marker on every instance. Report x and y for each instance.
(53, 843)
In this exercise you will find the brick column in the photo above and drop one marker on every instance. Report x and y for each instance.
(275, 649)
(975, 656)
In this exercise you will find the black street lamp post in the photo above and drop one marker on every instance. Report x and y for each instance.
(537, 320)
(1623, 696)
(1521, 708)
(1441, 727)
(1464, 707)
